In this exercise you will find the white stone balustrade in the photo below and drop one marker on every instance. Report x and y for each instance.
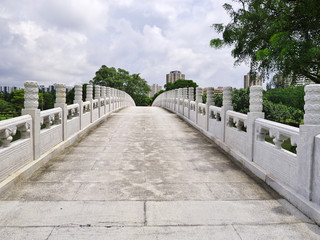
(64, 124)
(294, 175)
(13, 155)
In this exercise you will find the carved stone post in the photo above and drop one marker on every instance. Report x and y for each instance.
(103, 96)
(210, 102)
(31, 90)
(112, 99)
(191, 94)
(78, 99)
(109, 99)
(97, 97)
(226, 105)
(89, 98)
(255, 112)
(190, 98)
(176, 100)
(198, 100)
(307, 176)
(184, 97)
(179, 99)
(61, 102)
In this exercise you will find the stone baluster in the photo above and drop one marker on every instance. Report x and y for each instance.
(112, 98)
(78, 100)
(226, 106)
(198, 95)
(109, 99)
(210, 94)
(176, 100)
(31, 102)
(210, 102)
(104, 97)
(198, 100)
(61, 102)
(190, 98)
(89, 98)
(255, 109)
(308, 178)
(98, 97)
(191, 94)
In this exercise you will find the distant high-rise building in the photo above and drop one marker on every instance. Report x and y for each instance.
(8, 89)
(248, 82)
(174, 76)
(51, 88)
(154, 89)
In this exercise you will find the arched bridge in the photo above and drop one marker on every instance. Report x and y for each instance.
(105, 169)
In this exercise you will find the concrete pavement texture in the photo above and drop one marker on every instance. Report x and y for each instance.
(146, 174)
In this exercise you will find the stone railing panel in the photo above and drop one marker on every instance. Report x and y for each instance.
(52, 134)
(73, 123)
(215, 125)
(272, 157)
(235, 133)
(14, 154)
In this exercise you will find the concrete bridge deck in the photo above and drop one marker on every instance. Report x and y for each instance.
(146, 174)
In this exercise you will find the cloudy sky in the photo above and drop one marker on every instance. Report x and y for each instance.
(67, 41)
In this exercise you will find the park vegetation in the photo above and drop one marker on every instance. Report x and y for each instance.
(121, 79)
(279, 37)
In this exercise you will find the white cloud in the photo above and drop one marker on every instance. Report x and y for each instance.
(67, 41)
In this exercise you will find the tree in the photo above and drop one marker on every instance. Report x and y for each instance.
(70, 96)
(121, 79)
(47, 100)
(5, 106)
(274, 36)
(17, 100)
(240, 100)
(180, 83)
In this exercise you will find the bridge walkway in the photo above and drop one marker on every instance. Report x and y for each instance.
(146, 174)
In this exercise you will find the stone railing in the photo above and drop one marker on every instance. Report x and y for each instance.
(42, 134)
(256, 143)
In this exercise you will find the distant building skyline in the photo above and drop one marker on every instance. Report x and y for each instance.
(155, 88)
(174, 76)
(247, 82)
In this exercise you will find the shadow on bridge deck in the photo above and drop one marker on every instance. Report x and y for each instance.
(145, 174)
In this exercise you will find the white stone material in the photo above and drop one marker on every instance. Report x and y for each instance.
(184, 93)
(227, 96)
(89, 96)
(199, 95)
(191, 93)
(108, 91)
(312, 105)
(60, 93)
(256, 99)
(210, 100)
(31, 90)
(96, 91)
(78, 93)
(103, 91)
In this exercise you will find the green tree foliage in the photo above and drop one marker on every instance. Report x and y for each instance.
(274, 36)
(47, 100)
(240, 100)
(282, 113)
(180, 83)
(217, 100)
(120, 79)
(6, 106)
(70, 96)
(16, 98)
(291, 96)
